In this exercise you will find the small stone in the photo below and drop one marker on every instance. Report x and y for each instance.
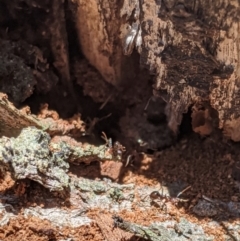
(111, 169)
(205, 209)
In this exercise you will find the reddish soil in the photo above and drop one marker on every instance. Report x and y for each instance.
(205, 164)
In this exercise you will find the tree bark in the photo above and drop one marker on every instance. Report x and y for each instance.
(192, 48)
(99, 27)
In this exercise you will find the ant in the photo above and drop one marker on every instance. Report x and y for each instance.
(156, 196)
(116, 149)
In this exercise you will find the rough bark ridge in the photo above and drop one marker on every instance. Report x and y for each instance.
(197, 57)
(98, 24)
(191, 46)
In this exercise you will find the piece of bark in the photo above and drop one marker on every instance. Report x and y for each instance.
(181, 230)
(12, 121)
(24, 69)
(148, 233)
(33, 155)
(105, 223)
(82, 152)
(17, 79)
(28, 156)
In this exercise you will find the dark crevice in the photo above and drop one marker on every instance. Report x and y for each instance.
(185, 128)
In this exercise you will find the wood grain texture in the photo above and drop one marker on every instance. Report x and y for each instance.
(192, 48)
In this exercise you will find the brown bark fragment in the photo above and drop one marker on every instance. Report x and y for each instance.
(12, 121)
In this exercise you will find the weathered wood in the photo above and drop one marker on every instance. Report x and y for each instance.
(192, 47)
(101, 27)
(195, 46)
(12, 121)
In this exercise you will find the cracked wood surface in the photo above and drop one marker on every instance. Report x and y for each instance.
(192, 48)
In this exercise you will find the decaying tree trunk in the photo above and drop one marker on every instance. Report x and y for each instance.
(192, 47)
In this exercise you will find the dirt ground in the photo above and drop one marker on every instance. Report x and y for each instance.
(208, 165)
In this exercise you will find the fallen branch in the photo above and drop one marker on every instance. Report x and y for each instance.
(12, 121)
(35, 156)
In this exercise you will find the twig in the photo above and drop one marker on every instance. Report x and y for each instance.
(94, 122)
(107, 140)
(147, 103)
(128, 160)
(105, 102)
(184, 190)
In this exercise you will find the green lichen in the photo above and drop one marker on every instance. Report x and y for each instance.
(116, 194)
(159, 233)
(165, 231)
(84, 152)
(30, 157)
(86, 185)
